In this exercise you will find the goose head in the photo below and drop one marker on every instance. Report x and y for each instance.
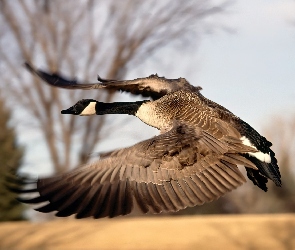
(84, 107)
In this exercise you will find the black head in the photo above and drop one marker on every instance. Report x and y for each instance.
(82, 107)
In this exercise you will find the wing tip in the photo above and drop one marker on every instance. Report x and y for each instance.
(29, 67)
(102, 80)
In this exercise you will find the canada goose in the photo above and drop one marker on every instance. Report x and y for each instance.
(194, 159)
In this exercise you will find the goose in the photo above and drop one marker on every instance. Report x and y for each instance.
(192, 161)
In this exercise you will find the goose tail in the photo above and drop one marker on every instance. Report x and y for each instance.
(264, 160)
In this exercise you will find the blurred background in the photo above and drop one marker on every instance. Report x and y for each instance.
(241, 53)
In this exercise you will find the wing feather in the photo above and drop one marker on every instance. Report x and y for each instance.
(197, 190)
(109, 207)
(165, 197)
(194, 200)
(152, 86)
(173, 196)
(102, 200)
(71, 205)
(143, 197)
(222, 177)
(181, 194)
(87, 207)
(156, 198)
(165, 181)
(216, 183)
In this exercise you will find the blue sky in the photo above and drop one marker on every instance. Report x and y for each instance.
(250, 71)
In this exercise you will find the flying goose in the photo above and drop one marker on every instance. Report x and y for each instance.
(194, 159)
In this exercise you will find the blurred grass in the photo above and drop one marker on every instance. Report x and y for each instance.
(187, 232)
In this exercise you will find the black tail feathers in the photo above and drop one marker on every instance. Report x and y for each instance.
(265, 171)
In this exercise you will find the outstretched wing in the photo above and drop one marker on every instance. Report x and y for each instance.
(182, 168)
(56, 80)
(152, 86)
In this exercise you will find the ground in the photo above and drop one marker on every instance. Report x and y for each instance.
(182, 232)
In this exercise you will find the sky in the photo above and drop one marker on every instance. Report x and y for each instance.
(250, 71)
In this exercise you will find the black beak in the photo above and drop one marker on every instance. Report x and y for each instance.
(70, 111)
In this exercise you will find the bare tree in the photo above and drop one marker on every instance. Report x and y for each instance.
(83, 38)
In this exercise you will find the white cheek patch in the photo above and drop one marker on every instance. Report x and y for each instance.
(259, 155)
(89, 110)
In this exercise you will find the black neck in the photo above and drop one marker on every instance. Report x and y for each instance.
(129, 108)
